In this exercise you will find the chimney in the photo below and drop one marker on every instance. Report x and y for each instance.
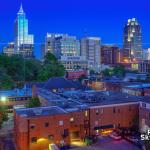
(34, 91)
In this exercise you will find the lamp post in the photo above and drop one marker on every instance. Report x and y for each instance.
(3, 99)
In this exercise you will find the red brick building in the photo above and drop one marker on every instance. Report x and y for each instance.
(144, 116)
(37, 128)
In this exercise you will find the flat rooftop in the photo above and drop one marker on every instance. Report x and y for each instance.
(40, 111)
(94, 98)
(77, 100)
(16, 93)
(139, 86)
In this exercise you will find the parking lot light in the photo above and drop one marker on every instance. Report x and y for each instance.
(3, 99)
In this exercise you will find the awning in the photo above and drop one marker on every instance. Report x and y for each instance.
(104, 127)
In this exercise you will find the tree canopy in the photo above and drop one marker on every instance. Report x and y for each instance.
(33, 102)
(3, 114)
(116, 71)
(51, 68)
(14, 70)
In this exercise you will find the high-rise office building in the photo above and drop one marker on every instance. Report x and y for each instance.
(110, 54)
(62, 45)
(132, 44)
(24, 42)
(90, 49)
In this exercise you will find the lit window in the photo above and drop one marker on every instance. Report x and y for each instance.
(72, 119)
(61, 123)
(86, 113)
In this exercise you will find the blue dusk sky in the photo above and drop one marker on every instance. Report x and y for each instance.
(103, 18)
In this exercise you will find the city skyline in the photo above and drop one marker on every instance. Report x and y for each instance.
(64, 20)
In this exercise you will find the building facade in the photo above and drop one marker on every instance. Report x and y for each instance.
(132, 44)
(110, 55)
(57, 125)
(62, 45)
(74, 62)
(144, 66)
(24, 42)
(9, 49)
(90, 49)
(144, 117)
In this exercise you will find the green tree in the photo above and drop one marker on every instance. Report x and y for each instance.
(107, 72)
(6, 81)
(33, 102)
(32, 69)
(119, 71)
(51, 68)
(3, 114)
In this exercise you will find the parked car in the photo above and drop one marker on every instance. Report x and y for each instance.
(115, 136)
(132, 139)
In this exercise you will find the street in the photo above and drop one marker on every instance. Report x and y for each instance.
(106, 143)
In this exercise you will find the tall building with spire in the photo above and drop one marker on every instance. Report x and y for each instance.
(132, 40)
(24, 42)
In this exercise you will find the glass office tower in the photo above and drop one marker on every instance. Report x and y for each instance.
(23, 41)
(132, 39)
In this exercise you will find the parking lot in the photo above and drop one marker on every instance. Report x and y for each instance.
(107, 143)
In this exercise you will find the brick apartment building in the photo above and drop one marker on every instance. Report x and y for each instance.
(144, 116)
(36, 128)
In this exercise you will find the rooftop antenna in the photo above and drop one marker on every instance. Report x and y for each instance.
(21, 9)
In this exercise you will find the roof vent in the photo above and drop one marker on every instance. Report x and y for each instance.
(107, 93)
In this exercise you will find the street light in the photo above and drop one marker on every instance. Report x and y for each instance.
(3, 99)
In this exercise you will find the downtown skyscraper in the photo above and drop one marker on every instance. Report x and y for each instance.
(90, 49)
(24, 42)
(62, 45)
(132, 44)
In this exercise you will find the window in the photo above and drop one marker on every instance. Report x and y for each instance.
(102, 111)
(34, 139)
(61, 123)
(114, 110)
(97, 112)
(66, 132)
(32, 126)
(71, 119)
(51, 137)
(86, 113)
(96, 123)
(144, 105)
(46, 124)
